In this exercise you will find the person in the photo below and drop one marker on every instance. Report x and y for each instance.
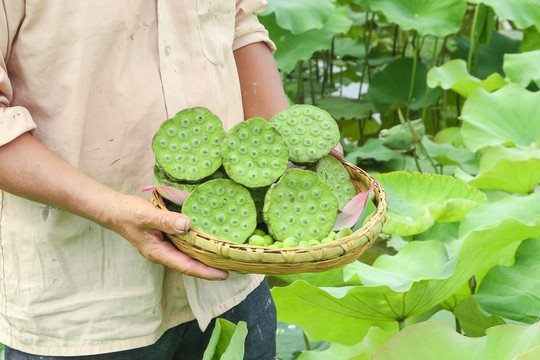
(85, 271)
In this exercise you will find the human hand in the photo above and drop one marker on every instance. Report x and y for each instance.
(143, 225)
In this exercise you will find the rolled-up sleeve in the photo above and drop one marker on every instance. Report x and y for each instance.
(248, 28)
(14, 120)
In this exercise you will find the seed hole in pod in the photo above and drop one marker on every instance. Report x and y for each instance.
(183, 135)
(308, 111)
(327, 136)
(311, 152)
(226, 230)
(253, 175)
(244, 212)
(255, 141)
(302, 195)
(202, 199)
(294, 140)
(193, 159)
(284, 227)
(232, 143)
(186, 147)
(233, 209)
(311, 208)
(322, 218)
(220, 219)
(337, 186)
(173, 147)
(290, 195)
(295, 112)
(206, 211)
(231, 192)
(168, 158)
(298, 209)
(282, 116)
(205, 138)
(253, 153)
(286, 131)
(269, 138)
(281, 196)
(308, 142)
(321, 145)
(185, 122)
(325, 125)
(263, 162)
(196, 142)
(315, 193)
(195, 207)
(256, 130)
(277, 213)
(179, 168)
(347, 189)
(235, 236)
(214, 203)
(275, 163)
(180, 158)
(266, 173)
(196, 130)
(206, 164)
(233, 159)
(292, 183)
(276, 150)
(307, 121)
(210, 192)
(163, 142)
(292, 122)
(318, 117)
(206, 223)
(242, 149)
(171, 131)
(249, 164)
(265, 150)
(299, 233)
(290, 219)
(234, 221)
(194, 220)
(285, 206)
(240, 200)
(214, 231)
(314, 230)
(300, 130)
(243, 135)
(220, 190)
(200, 118)
(210, 127)
(297, 151)
(325, 205)
(216, 152)
(244, 225)
(240, 170)
(315, 132)
(305, 221)
(306, 184)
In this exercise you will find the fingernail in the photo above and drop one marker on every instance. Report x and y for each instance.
(181, 225)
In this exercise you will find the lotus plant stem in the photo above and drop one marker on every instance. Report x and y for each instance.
(413, 75)
(440, 61)
(311, 89)
(473, 38)
(367, 41)
(418, 143)
(300, 98)
(458, 326)
(401, 324)
(424, 108)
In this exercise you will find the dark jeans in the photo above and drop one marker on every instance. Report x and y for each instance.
(187, 342)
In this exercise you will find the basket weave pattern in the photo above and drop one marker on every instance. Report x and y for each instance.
(245, 258)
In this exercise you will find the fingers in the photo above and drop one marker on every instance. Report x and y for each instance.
(163, 252)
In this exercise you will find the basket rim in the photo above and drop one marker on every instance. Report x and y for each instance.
(219, 252)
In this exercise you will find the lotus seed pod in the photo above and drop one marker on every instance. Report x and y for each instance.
(160, 178)
(334, 174)
(222, 208)
(187, 146)
(309, 131)
(299, 205)
(254, 154)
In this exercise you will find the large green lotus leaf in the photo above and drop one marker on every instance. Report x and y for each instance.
(389, 88)
(508, 169)
(473, 320)
(438, 340)
(505, 117)
(372, 149)
(300, 15)
(454, 75)
(291, 47)
(523, 68)
(344, 314)
(375, 338)
(427, 17)
(227, 341)
(345, 108)
(514, 292)
(416, 201)
(523, 13)
(448, 154)
(450, 135)
(400, 137)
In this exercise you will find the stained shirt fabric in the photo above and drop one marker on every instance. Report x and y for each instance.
(93, 80)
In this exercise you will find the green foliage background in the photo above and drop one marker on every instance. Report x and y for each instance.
(438, 99)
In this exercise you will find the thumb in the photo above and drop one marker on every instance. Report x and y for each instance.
(173, 222)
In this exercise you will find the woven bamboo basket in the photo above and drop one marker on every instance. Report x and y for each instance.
(244, 258)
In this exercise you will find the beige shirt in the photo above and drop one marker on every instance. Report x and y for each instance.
(93, 80)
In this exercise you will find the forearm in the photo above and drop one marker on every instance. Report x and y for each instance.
(262, 89)
(30, 170)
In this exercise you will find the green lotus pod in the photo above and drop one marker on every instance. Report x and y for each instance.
(334, 174)
(160, 178)
(300, 205)
(187, 146)
(223, 208)
(254, 154)
(309, 131)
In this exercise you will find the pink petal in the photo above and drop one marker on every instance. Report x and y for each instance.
(353, 210)
(176, 196)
